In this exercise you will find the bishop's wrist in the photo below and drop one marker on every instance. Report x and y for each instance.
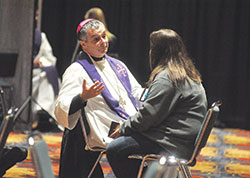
(83, 97)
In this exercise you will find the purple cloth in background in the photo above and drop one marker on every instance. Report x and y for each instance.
(37, 42)
(52, 77)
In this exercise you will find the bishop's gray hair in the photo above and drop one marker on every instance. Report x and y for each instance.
(83, 33)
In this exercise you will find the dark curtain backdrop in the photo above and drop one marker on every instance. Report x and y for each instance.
(216, 34)
(16, 36)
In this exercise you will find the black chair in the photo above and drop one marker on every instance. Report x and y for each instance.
(90, 148)
(200, 142)
(5, 128)
(2, 104)
(7, 124)
(9, 155)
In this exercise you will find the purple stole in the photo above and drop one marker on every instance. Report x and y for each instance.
(52, 77)
(121, 74)
(37, 42)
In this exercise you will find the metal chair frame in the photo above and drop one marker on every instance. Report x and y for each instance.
(88, 147)
(8, 123)
(5, 128)
(200, 142)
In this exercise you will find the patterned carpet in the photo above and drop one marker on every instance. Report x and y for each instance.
(227, 154)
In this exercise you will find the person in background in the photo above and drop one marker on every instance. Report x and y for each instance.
(98, 89)
(45, 82)
(172, 113)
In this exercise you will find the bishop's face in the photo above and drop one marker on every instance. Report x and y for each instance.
(97, 42)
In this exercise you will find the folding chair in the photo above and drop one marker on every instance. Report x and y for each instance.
(8, 122)
(10, 155)
(88, 147)
(200, 142)
(5, 128)
(2, 104)
(40, 156)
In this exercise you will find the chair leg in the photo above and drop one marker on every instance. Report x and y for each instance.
(169, 171)
(184, 170)
(141, 168)
(97, 161)
(188, 172)
(181, 169)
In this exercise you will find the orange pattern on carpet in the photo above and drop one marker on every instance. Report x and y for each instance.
(227, 154)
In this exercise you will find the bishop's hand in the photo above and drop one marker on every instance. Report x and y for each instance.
(92, 91)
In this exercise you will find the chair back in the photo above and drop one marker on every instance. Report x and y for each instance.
(205, 129)
(40, 156)
(2, 104)
(5, 128)
(8, 122)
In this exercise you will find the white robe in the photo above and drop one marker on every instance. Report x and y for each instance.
(98, 113)
(42, 90)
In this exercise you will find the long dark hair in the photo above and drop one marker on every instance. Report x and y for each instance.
(168, 52)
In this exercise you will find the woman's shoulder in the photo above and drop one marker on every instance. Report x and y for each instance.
(163, 74)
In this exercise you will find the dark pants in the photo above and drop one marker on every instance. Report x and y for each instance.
(119, 150)
(75, 161)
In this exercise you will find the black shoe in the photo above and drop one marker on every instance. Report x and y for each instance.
(46, 123)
